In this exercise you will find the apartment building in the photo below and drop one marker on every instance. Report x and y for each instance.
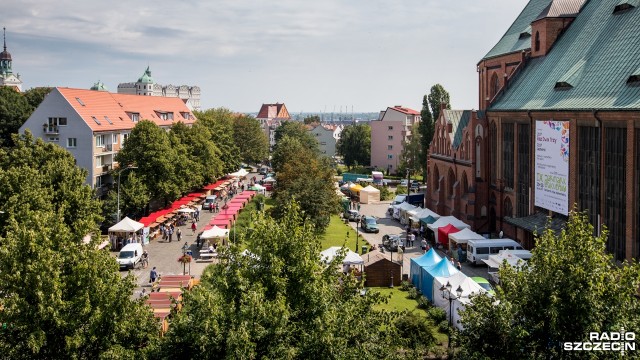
(388, 135)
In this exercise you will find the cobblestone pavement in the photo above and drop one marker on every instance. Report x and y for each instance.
(388, 225)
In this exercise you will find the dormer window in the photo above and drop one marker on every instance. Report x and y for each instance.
(165, 115)
(625, 5)
(135, 117)
(185, 115)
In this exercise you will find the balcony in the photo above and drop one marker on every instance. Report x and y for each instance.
(50, 129)
(107, 167)
(107, 148)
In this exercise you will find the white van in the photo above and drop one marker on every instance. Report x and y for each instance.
(208, 202)
(477, 250)
(130, 255)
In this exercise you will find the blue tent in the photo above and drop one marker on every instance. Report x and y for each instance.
(428, 220)
(444, 268)
(429, 259)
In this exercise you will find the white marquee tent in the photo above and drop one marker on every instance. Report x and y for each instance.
(469, 287)
(240, 173)
(126, 225)
(416, 214)
(444, 221)
(350, 258)
(369, 195)
(463, 236)
(214, 232)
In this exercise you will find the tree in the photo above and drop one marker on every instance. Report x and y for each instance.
(426, 130)
(36, 95)
(437, 97)
(311, 119)
(61, 298)
(571, 287)
(202, 153)
(297, 130)
(412, 152)
(354, 145)
(280, 302)
(14, 111)
(219, 122)
(250, 139)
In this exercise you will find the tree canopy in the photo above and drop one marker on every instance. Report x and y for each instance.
(250, 139)
(297, 130)
(571, 287)
(279, 301)
(61, 298)
(438, 96)
(354, 145)
(220, 123)
(412, 152)
(311, 119)
(14, 111)
(426, 130)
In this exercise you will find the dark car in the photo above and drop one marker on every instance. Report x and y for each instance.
(392, 241)
(415, 186)
(369, 224)
(352, 215)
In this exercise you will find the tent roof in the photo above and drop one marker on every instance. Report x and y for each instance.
(370, 189)
(214, 232)
(443, 268)
(464, 235)
(446, 220)
(269, 179)
(126, 225)
(406, 206)
(350, 258)
(428, 220)
(421, 213)
(459, 279)
(240, 173)
(430, 258)
(496, 260)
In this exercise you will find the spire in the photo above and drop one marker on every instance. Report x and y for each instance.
(4, 37)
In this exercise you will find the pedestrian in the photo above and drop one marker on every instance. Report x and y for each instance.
(421, 230)
(170, 234)
(198, 241)
(179, 234)
(424, 245)
(153, 275)
(197, 215)
(459, 266)
(193, 228)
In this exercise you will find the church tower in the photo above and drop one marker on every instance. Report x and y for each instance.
(7, 78)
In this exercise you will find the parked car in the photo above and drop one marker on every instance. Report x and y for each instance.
(352, 215)
(208, 202)
(369, 224)
(485, 284)
(130, 255)
(392, 241)
(404, 182)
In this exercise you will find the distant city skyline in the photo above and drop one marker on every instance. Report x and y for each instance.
(313, 56)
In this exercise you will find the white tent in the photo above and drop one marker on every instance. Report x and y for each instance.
(444, 221)
(463, 236)
(400, 211)
(269, 179)
(495, 261)
(126, 225)
(350, 258)
(416, 214)
(214, 232)
(186, 210)
(369, 195)
(240, 173)
(469, 287)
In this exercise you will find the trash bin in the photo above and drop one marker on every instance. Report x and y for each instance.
(364, 249)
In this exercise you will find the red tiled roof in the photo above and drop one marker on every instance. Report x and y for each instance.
(405, 110)
(117, 107)
(272, 111)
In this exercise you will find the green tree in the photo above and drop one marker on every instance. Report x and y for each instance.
(297, 130)
(220, 122)
(250, 139)
(61, 298)
(426, 130)
(149, 148)
(354, 145)
(280, 302)
(14, 111)
(438, 96)
(570, 287)
(411, 152)
(311, 119)
(203, 156)
(35, 96)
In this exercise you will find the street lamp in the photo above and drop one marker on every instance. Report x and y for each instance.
(120, 173)
(447, 295)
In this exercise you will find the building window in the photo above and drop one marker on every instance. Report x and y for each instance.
(390, 137)
(57, 121)
(72, 142)
(98, 182)
(135, 117)
(389, 147)
(115, 138)
(124, 138)
(524, 166)
(436, 178)
(185, 115)
(390, 127)
(53, 139)
(493, 138)
(537, 42)
(589, 172)
(507, 155)
(389, 156)
(495, 85)
(508, 208)
(98, 161)
(465, 183)
(99, 140)
(614, 179)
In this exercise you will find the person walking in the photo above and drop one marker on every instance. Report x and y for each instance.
(178, 234)
(193, 228)
(170, 234)
(424, 245)
(153, 275)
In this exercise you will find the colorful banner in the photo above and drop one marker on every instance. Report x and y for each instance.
(552, 166)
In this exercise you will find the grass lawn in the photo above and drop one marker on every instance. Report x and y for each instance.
(336, 234)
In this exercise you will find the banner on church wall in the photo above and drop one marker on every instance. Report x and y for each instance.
(552, 166)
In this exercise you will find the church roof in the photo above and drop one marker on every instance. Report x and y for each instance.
(273, 111)
(591, 65)
(146, 77)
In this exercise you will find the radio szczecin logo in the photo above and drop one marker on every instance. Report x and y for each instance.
(606, 341)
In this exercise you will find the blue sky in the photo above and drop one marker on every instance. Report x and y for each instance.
(311, 55)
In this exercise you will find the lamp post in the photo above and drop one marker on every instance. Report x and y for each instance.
(448, 295)
(120, 173)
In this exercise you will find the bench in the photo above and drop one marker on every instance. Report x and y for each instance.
(208, 255)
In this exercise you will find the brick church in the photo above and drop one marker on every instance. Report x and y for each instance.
(558, 128)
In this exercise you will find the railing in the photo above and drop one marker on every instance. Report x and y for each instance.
(106, 168)
(51, 129)
(107, 148)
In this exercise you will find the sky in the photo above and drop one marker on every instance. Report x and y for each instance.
(314, 56)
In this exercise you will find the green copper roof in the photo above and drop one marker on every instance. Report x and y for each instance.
(512, 40)
(99, 86)
(146, 77)
(594, 62)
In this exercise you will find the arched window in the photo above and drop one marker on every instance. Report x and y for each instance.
(495, 85)
(436, 178)
(493, 138)
(452, 181)
(537, 42)
(508, 208)
(465, 183)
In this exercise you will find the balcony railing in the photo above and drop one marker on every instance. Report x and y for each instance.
(106, 168)
(107, 148)
(51, 129)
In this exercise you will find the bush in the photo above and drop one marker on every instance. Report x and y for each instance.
(401, 190)
(437, 314)
(385, 194)
(423, 303)
(339, 171)
(413, 293)
(405, 286)
(415, 330)
(443, 326)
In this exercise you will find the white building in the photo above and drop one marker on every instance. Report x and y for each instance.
(327, 136)
(7, 78)
(145, 86)
(93, 125)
